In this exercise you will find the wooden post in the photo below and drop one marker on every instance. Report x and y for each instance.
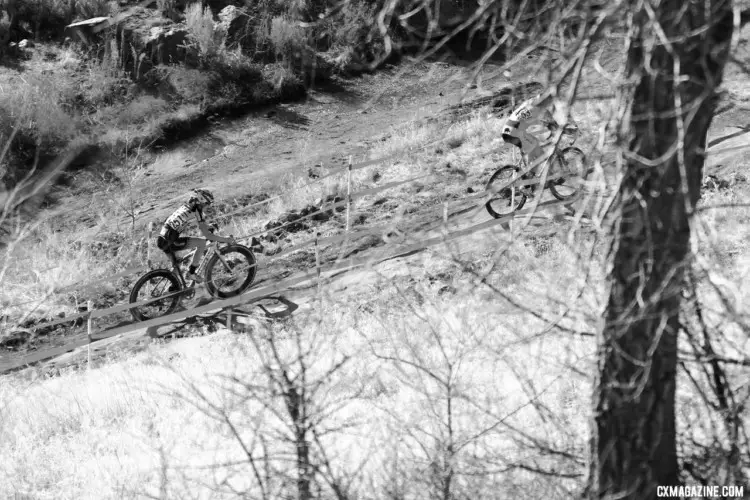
(89, 328)
(348, 194)
(317, 259)
(445, 217)
(229, 318)
(148, 243)
(512, 203)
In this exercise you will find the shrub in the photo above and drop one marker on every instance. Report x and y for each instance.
(352, 36)
(200, 26)
(31, 111)
(183, 84)
(34, 107)
(234, 80)
(355, 26)
(105, 84)
(86, 9)
(287, 38)
(287, 85)
(48, 18)
(141, 109)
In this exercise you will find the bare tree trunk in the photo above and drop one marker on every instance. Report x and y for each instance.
(10, 9)
(676, 59)
(296, 406)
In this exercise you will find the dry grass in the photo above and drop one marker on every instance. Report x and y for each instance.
(287, 37)
(154, 432)
(31, 103)
(51, 259)
(422, 151)
(143, 426)
(48, 18)
(200, 25)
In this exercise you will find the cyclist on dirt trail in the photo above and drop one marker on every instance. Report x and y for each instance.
(170, 239)
(531, 114)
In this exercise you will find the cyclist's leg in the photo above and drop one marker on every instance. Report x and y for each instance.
(532, 147)
(200, 246)
(514, 140)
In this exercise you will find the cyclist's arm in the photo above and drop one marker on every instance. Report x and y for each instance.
(536, 117)
(209, 235)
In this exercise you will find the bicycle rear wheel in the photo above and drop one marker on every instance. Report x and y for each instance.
(570, 163)
(152, 285)
(234, 278)
(506, 200)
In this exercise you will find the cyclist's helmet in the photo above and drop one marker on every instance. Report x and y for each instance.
(201, 196)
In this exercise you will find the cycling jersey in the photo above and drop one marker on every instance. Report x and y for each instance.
(521, 118)
(181, 218)
(525, 116)
(169, 239)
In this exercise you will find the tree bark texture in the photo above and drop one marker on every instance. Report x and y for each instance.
(675, 59)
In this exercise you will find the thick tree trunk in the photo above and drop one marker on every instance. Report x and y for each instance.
(634, 438)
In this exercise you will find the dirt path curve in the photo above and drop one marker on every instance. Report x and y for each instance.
(389, 261)
(265, 147)
(335, 122)
(332, 124)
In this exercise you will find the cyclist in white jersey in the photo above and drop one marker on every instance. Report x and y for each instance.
(531, 114)
(170, 238)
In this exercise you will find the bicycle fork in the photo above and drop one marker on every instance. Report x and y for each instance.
(217, 252)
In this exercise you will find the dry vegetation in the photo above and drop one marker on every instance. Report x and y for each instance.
(462, 372)
(416, 355)
(413, 347)
(383, 427)
(95, 93)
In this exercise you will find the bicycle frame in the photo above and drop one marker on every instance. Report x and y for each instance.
(546, 163)
(211, 248)
(535, 171)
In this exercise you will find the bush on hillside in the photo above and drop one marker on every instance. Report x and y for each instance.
(286, 84)
(200, 26)
(288, 39)
(355, 28)
(37, 127)
(48, 18)
(233, 80)
(275, 58)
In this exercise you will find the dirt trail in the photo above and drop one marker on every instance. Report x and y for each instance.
(333, 123)
(262, 148)
(390, 262)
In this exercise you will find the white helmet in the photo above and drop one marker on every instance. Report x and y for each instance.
(201, 196)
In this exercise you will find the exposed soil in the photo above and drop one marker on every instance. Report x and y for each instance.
(258, 150)
(335, 122)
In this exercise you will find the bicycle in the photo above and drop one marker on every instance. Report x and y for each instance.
(567, 172)
(163, 288)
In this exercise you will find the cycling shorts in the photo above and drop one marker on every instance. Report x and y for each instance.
(511, 139)
(170, 241)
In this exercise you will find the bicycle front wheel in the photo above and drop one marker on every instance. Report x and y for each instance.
(231, 274)
(505, 200)
(570, 164)
(149, 288)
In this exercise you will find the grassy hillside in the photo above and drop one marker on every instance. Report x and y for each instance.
(159, 70)
(464, 371)
(469, 362)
